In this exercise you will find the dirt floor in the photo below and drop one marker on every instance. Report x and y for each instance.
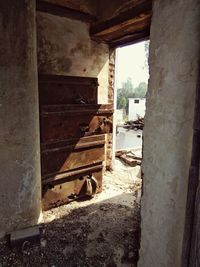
(100, 232)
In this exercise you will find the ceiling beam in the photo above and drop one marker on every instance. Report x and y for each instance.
(127, 16)
(130, 39)
(62, 11)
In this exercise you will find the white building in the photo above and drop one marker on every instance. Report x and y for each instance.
(137, 107)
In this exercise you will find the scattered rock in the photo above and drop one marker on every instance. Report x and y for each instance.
(103, 231)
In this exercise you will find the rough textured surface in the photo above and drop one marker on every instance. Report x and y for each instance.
(109, 9)
(101, 232)
(174, 51)
(19, 133)
(109, 140)
(86, 6)
(65, 48)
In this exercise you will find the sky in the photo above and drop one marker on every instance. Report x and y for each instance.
(131, 63)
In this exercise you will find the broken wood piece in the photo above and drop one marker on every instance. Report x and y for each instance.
(137, 124)
(128, 153)
(131, 162)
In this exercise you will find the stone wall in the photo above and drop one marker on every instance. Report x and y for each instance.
(174, 54)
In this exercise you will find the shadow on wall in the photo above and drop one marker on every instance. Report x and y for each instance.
(103, 234)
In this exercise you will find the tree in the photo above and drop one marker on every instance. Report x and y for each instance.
(124, 93)
(127, 87)
(141, 90)
(122, 102)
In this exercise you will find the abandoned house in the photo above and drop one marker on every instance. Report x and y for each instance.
(57, 73)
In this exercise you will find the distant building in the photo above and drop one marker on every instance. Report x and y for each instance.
(137, 107)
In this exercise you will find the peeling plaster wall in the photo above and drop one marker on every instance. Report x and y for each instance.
(65, 48)
(174, 54)
(20, 179)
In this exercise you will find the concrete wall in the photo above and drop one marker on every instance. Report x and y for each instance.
(20, 192)
(65, 48)
(174, 52)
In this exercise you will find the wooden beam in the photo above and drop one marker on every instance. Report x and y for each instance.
(123, 17)
(62, 11)
(137, 24)
(130, 39)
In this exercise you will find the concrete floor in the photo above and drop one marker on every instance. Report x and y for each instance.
(100, 232)
(126, 139)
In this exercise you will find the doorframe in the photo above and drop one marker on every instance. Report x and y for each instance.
(192, 214)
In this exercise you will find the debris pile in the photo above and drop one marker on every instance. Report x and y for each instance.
(128, 157)
(102, 231)
(135, 125)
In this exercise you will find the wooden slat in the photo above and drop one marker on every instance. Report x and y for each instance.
(62, 11)
(130, 39)
(136, 24)
(130, 14)
(127, 28)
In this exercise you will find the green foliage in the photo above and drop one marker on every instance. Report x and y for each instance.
(141, 90)
(128, 91)
(122, 102)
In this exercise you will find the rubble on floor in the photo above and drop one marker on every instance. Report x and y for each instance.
(137, 124)
(129, 157)
(101, 232)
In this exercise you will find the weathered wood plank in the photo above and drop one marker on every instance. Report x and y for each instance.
(130, 38)
(130, 14)
(63, 11)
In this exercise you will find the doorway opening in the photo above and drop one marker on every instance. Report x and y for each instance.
(131, 83)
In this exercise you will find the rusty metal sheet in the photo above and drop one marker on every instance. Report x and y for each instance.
(57, 89)
(62, 193)
(72, 135)
(57, 195)
(71, 175)
(58, 158)
(66, 124)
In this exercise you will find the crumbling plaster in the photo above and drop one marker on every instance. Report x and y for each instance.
(20, 191)
(174, 54)
(65, 48)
